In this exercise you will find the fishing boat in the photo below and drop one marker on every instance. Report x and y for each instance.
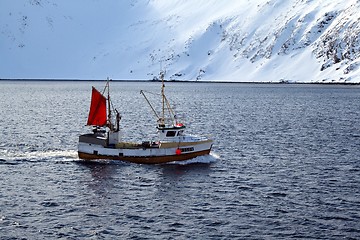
(171, 144)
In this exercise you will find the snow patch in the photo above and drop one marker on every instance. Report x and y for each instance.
(256, 41)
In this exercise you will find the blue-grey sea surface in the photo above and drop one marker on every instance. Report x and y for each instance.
(285, 164)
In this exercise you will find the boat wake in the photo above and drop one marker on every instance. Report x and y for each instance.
(13, 158)
(37, 156)
(206, 159)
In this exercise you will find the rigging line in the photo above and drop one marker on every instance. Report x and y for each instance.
(106, 86)
(147, 100)
(171, 111)
(158, 94)
(110, 104)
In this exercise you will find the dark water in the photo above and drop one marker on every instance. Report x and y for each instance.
(286, 165)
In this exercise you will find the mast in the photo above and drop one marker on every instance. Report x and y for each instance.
(165, 105)
(110, 125)
(162, 120)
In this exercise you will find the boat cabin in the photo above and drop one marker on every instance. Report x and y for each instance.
(169, 133)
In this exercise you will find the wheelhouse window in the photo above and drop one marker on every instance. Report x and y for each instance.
(171, 134)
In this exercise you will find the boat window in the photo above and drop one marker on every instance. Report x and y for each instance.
(180, 133)
(171, 133)
(189, 149)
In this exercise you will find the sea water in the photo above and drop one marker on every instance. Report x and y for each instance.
(285, 164)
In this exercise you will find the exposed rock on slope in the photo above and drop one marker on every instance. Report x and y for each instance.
(262, 40)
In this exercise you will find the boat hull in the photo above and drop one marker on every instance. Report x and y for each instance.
(145, 159)
(92, 147)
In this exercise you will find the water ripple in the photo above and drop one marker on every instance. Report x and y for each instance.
(284, 165)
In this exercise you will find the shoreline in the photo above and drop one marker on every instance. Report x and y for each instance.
(175, 81)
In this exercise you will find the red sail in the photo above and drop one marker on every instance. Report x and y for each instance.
(97, 114)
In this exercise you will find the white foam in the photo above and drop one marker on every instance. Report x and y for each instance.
(211, 158)
(40, 155)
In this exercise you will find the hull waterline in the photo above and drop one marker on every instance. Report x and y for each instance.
(147, 159)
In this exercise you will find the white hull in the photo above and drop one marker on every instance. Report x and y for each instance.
(151, 154)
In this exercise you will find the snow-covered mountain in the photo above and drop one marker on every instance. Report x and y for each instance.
(223, 40)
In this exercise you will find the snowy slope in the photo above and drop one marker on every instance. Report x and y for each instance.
(223, 40)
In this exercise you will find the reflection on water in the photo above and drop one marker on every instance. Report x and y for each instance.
(102, 174)
(176, 171)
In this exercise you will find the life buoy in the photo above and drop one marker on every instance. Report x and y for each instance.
(178, 151)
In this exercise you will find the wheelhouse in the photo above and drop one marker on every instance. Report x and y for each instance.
(169, 133)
